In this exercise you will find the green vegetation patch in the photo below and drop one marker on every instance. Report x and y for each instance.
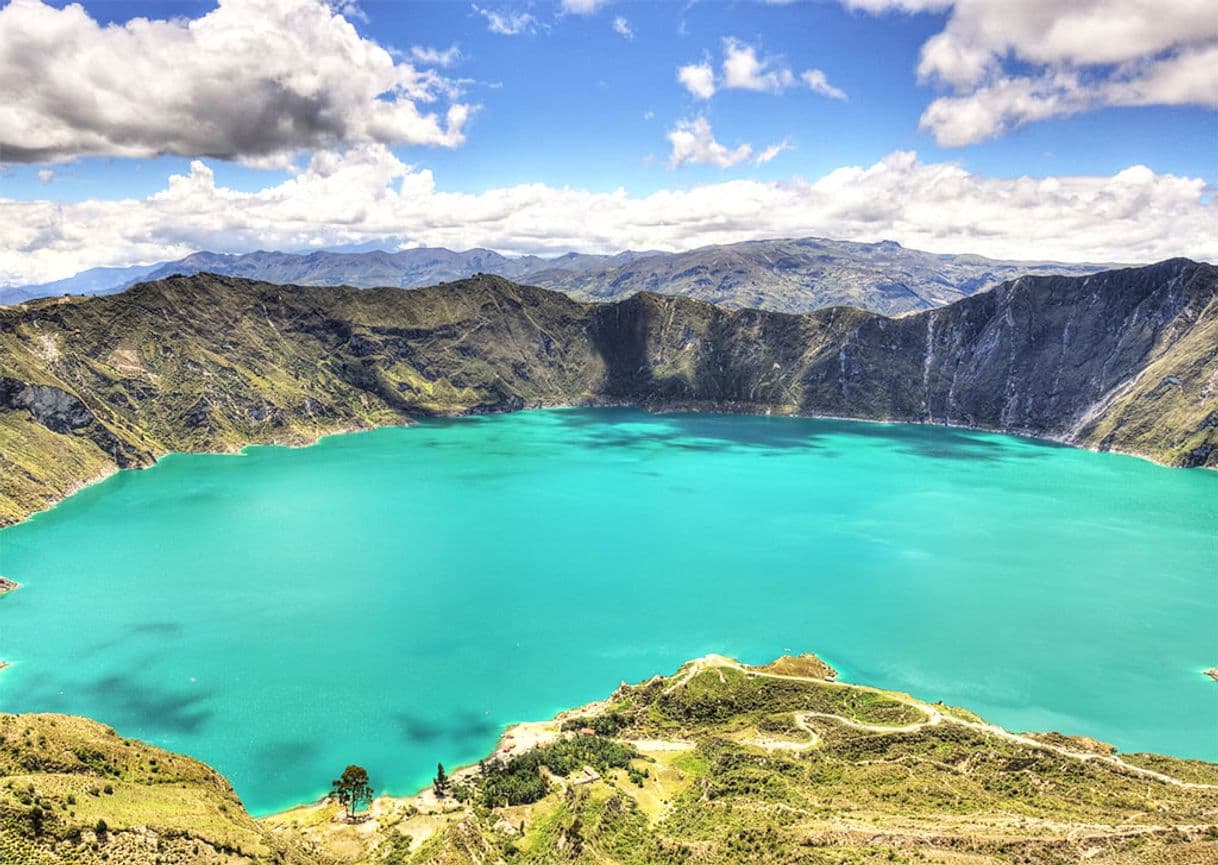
(519, 780)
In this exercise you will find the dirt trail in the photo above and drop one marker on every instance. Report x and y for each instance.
(933, 718)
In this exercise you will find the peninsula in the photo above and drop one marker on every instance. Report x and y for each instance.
(717, 763)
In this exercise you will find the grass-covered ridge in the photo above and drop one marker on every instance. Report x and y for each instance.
(74, 791)
(1123, 360)
(718, 763)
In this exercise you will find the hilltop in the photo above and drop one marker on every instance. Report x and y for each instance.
(718, 763)
(1124, 360)
(797, 275)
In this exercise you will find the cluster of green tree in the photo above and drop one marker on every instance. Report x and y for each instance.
(519, 781)
(608, 724)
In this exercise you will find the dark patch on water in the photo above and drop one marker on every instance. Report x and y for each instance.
(471, 725)
(157, 631)
(771, 436)
(418, 729)
(487, 475)
(125, 702)
(461, 727)
(270, 759)
(703, 433)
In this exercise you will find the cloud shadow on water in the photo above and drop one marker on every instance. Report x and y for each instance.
(124, 702)
(157, 631)
(271, 758)
(462, 727)
(418, 729)
(630, 428)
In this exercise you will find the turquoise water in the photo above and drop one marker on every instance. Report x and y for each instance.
(393, 598)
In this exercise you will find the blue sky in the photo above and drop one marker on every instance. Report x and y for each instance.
(588, 98)
(574, 103)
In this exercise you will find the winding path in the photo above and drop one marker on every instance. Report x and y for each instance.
(933, 718)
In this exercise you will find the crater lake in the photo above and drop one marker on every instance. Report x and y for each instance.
(395, 597)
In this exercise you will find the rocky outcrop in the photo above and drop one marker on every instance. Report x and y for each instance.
(1123, 360)
(64, 413)
(54, 408)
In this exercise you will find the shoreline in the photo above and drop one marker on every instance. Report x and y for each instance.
(520, 737)
(659, 765)
(726, 409)
(422, 815)
(516, 738)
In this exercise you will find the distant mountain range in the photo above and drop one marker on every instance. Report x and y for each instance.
(778, 275)
(1123, 360)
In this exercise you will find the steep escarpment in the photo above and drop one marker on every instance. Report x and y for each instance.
(1124, 360)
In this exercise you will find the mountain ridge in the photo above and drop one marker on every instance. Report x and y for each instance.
(786, 274)
(1124, 360)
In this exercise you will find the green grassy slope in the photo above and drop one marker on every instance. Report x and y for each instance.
(1124, 360)
(723, 763)
(74, 791)
(719, 763)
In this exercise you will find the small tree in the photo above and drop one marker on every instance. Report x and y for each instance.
(37, 817)
(352, 790)
(440, 785)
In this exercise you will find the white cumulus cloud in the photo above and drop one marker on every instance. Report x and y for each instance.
(622, 28)
(1010, 63)
(693, 141)
(367, 193)
(744, 69)
(819, 83)
(698, 79)
(252, 79)
(773, 150)
(507, 22)
(582, 7)
(429, 56)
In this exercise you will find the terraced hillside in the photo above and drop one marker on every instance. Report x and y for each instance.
(719, 763)
(1124, 360)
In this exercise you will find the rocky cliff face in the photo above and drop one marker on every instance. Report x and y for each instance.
(1125, 360)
